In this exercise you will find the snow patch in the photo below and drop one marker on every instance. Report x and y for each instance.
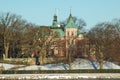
(77, 64)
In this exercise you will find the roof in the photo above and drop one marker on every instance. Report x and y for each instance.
(70, 22)
(55, 23)
(60, 32)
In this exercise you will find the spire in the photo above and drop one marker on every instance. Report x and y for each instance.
(55, 15)
(70, 22)
(70, 16)
(55, 23)
(55, 18)
(56, 11)
(70, 10)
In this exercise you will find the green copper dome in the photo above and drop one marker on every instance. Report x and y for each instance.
(78, 32)
(59, 32)
(70, 23)
(55, 23)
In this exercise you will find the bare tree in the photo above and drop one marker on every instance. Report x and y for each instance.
(11, 26)
(44, 40)
(70, 49)
(104, 37)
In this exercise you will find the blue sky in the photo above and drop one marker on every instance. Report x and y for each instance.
(41, 11)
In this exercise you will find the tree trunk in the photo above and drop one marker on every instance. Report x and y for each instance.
(69, 59)
(66, 53)
(101, 60)
(41, 60)
(42, 57)
(6, 47)
(101, 64)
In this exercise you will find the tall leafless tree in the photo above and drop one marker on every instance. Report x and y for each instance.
(104, 37)
(11, 25)
(44, 39)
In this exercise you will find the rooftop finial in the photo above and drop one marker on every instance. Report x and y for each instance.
(70, 10)
(55, 11)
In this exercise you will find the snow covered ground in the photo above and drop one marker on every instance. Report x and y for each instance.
(77, 64)
(86, 64)
(8, 66)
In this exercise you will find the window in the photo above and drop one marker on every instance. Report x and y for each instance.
(68, 33)
(68, 42)
(72, 33)
(72, 41)
(58, 51)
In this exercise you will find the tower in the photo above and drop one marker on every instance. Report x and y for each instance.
(58, 34)
(71, 34)
(55, 23)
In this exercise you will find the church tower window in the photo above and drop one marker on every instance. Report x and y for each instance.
(68, 33)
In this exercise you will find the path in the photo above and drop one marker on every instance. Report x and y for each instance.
(60, 76)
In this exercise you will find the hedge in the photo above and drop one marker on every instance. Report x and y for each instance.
(59, 71)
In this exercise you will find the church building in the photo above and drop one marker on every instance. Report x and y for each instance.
(70, 39)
